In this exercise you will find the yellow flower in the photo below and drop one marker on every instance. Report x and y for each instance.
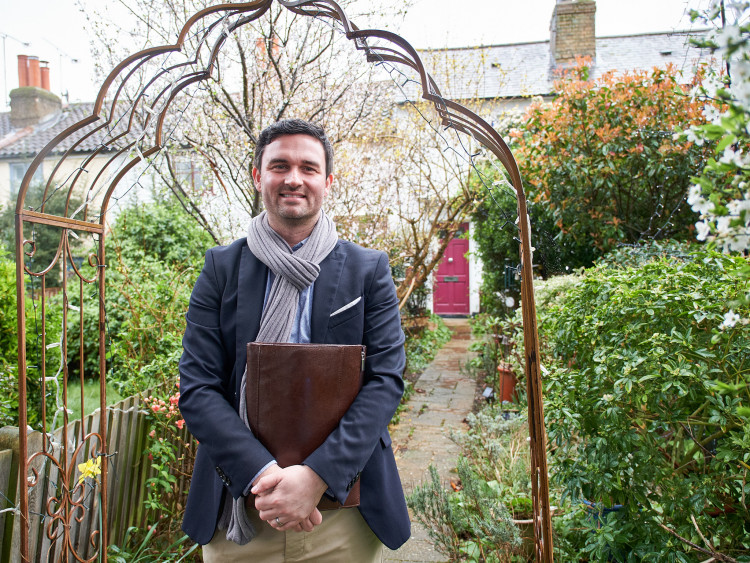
(92, 468)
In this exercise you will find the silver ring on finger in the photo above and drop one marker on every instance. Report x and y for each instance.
(278, 523)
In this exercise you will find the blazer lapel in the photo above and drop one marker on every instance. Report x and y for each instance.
(251, 286)
(324, 294)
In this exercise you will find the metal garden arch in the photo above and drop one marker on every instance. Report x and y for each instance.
(124, 135)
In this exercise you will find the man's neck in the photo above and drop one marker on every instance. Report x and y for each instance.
(294, 233)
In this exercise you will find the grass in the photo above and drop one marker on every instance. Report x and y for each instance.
(90, 397)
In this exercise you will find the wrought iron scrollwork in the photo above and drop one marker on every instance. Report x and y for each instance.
(134, 131)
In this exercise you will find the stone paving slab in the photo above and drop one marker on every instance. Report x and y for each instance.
(445, 395)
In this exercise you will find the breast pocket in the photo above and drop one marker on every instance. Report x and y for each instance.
(346, 313)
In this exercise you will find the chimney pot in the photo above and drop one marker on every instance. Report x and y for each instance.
(35, 77)
(44, 70)
(23, 71)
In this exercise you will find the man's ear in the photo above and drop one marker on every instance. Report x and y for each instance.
(256, 178)
(329, 181)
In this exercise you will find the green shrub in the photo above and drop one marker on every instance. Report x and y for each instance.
(647, 401)
(470, 523)
(155, 254)
(9, 350)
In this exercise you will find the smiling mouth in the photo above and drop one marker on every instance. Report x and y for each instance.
(294, 196)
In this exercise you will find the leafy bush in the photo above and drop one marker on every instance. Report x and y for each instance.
(9, 350)
(470, 523)
(171, 453)
(600, 168)
(155, 254)
(720, 193)
(647, 402)
(46, 237)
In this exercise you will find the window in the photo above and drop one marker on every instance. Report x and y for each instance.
(17, 172)
(189, 173)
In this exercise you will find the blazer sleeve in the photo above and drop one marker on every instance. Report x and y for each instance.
(341, 458)
(205, 390)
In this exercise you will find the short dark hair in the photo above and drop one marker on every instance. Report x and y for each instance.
(293, 127)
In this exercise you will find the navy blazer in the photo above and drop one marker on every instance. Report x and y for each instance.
(224, 315)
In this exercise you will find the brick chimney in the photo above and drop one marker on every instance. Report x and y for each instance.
(572, 32)
(32, 102)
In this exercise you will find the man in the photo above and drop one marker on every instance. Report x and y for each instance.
(318, 289)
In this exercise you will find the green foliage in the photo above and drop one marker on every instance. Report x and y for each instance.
(9, 398)
(492, 345)
(158, 231)
(496, 448)
(600, 168)
(423, 342)
(145, 548)
(9, 350)
(720, 193)
(46, 238)
(171, 452)
(155, 254)
(469, 524)
(8, 311)
(497, 240)
(647, 402)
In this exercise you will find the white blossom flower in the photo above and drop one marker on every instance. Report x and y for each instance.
(728, 36)
(692, 135)
(722, 225)
(697, 202)
(738, 242)
(703, 229)
(730, 319)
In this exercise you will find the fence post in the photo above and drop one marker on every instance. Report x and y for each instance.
(8, 484)
(10, 440)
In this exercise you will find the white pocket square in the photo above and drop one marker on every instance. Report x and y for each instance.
(347, 306)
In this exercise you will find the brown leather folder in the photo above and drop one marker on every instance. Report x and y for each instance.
(297, 394)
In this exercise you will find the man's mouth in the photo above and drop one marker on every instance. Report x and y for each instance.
(297, 196)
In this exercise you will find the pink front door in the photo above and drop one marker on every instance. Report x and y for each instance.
(451, 288)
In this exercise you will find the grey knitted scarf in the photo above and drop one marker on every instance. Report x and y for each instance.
(294, 271)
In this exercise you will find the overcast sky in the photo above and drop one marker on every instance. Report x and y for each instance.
(55, 30)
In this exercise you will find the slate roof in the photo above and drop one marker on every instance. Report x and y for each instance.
(525, 69)
(27, 142)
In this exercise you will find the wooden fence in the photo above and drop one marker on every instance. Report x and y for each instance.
(128, 472)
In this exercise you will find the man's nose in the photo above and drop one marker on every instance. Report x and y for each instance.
(293, 178)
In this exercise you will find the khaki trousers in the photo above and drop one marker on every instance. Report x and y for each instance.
(343, 537)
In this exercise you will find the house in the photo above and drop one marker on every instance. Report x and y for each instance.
(496, 79)
(89, 156)
(490, 79)
(36, 117)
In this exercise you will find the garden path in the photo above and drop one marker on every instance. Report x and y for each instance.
(444, 395)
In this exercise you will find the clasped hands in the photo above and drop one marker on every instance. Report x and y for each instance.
(287, 497)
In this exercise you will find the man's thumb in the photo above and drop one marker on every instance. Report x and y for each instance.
(266, 483)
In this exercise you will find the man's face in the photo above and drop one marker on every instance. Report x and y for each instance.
(292, 180)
